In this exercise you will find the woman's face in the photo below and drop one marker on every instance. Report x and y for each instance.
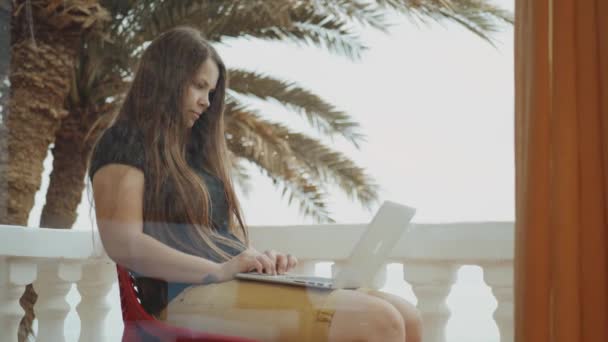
(198, 91)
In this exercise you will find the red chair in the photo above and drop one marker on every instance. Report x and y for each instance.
(140, 326)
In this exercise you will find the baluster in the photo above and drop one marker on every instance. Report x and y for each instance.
(431, 283)
(305, 267)
(499, 277)
(15, 274)
(53, 284)
(337, 266)
(378, 281)
(96, 283)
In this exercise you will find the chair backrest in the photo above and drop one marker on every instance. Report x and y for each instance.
(140, 326)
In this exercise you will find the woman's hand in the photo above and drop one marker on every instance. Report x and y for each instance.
(282, 262)
(247, 261)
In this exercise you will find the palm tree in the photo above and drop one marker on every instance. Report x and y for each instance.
(300, 164)
(44, 41)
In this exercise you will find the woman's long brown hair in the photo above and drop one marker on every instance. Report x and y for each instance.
(174, 192)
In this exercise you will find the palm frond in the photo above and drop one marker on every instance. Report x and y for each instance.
(480, 7)
(320, 114)
(118, 8)
(240, 174)
(334, 167)
(310, 198)
(338, 41)
(249, 141)
(478, 16)
(152, 17)
(322, 29)
(266, 20)
(363, 12)
(316, 161)
(99, 74)
(266, 146)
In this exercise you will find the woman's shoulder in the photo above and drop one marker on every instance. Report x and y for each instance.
(118, 144)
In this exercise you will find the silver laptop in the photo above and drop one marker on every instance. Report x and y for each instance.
(366, 258)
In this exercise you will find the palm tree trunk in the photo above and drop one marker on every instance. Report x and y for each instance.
(40, 80)
(66, 183)
(5, 33)
(39, 84)
(5, 20)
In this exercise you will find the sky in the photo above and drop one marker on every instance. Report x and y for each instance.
(436, 104)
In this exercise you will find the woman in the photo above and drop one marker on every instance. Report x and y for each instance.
(167, 211)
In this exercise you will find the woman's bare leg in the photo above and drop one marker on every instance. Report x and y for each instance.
(251, 310)
(361, 317)
(409, 313)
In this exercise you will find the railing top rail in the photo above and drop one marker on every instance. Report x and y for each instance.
(18, 241)
(460, 242)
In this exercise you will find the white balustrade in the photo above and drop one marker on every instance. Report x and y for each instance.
(499, 277)
(15, 274)
(55, 260)
(337, 266)
(52, 285)
(306, 267)
(377, 282)
(379, 279)
(431, 283)
(94, 286)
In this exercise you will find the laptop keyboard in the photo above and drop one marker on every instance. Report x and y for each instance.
(298, 279)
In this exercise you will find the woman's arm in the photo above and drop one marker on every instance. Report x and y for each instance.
(118, 191)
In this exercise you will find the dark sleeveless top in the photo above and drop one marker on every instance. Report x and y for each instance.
(121, 144)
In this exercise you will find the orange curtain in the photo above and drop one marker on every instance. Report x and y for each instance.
(561, 142)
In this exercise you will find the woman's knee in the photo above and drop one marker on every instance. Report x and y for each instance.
(387, 322)
(413, 323)
(367, 319)
(411, 315)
